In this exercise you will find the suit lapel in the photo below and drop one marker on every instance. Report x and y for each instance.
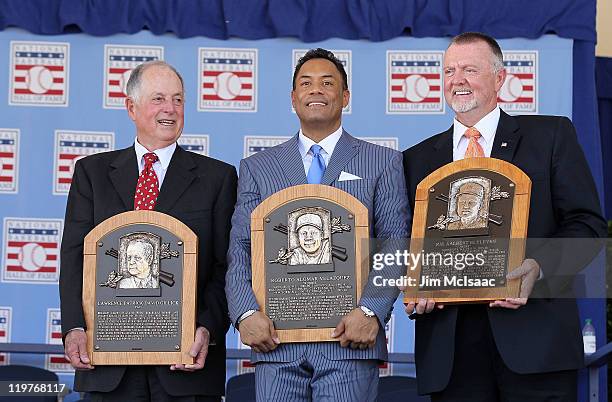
(345, 150)
(507, 138)
(290, 161)
(443, 150)
(178, 178)
(124, 175)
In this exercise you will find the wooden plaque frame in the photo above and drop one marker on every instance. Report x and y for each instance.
(307, 191)
(518, 230)
(188, 302)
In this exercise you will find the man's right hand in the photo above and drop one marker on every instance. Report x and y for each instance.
(422, 306)
(258, 332)
(75, 350)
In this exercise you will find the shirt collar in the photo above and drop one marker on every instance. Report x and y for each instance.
(486, 126)
(328, 143)
(163, 154)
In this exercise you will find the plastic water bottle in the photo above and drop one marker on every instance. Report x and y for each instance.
(588, 338)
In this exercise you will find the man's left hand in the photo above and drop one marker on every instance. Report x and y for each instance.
(528, 272)
(356, 330)
(199, 350)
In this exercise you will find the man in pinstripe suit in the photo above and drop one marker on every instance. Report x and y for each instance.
(322, 152)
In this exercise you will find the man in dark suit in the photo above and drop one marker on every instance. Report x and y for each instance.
(521, 349)
(195, 189)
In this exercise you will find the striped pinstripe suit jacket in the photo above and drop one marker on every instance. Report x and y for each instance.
(381, 189)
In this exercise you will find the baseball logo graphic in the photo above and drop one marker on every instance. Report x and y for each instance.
(5, 332)
(31, 250)
(228, 80)
(119, 61)
(195, 143)
(258, 143)
(55, 363)
(9, 161)
(518, 94)
(414, 82)
(71, 146)
(39, 74)
(389, 142)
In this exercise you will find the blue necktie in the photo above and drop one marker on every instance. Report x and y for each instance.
(317, 168)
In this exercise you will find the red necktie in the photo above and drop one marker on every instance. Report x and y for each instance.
(474, 149)
(147, 188)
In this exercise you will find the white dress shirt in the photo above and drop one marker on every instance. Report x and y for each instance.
(163, 155)
(328, 144)
(486, 126)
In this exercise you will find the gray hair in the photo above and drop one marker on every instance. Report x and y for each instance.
(497, 61)
(132, 89)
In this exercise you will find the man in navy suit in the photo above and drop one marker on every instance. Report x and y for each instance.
(197, 190)
(322, 152)
(521, 349)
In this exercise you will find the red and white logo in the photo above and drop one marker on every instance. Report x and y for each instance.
(5, 332)
(258, 143)
(9, 159)
(56, 363)
(228, 79)
(344, 56)
(386, 368)
(39, 73)
(119, 61)
(414, 82)
(195, 143)
(31, 250)
(519, 92)
(244, 365)
(389, 142)
(70, 146)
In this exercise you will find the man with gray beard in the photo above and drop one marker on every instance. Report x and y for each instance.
(519, 349)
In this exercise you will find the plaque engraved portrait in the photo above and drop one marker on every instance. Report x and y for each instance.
(309, 259)
(139, 261)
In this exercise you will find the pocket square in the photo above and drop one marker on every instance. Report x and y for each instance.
(344, 176)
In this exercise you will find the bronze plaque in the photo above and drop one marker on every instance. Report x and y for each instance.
(139, 289)
(468, 232)
(309, 262)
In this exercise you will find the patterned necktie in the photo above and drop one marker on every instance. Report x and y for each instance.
(474, 149)
(147, 188)
(317, 168)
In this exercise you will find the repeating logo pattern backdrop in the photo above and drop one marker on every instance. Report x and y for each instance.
(237, 104)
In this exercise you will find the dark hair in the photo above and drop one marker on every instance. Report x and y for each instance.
(471, 37)
(320, 53)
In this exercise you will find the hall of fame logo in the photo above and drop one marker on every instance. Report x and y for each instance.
(39, 73)
(345, 56)
(119, 61)
(195, 143)
(56, 363)
(258, 143)
(228, 79)
(70, 146)
(9, 159)
(414, 82)
(244, 365)
(386, 368)
(5, 332)
(389, 142)
(519, 92)
(31, 250)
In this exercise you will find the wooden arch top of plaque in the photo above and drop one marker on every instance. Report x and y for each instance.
(336, 265)
(499, 193)
(134, 321)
